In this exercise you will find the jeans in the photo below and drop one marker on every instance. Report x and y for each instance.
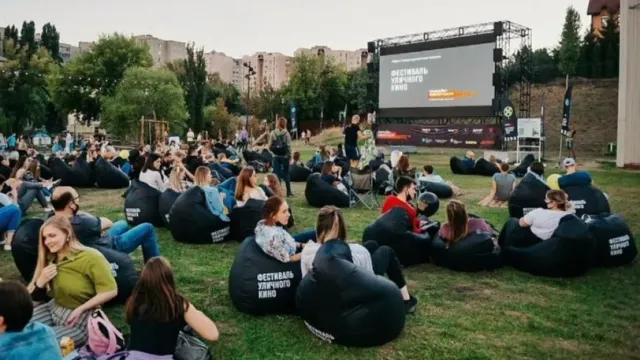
(10, 217)
(304, 236)
(127, 240)
(384, 261)
(281, 169)
(29, 191)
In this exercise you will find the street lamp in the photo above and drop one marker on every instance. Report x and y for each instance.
(248, 75)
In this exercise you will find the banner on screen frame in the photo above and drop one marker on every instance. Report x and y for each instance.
(459, 135)
(566, 111)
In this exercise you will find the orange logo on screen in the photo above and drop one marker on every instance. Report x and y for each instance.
(442, 94)
(391, 135)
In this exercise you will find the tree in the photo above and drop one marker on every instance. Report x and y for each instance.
(216, 88)
(154, 94)
(218, 119)
(194, 82)
(11, 33)
(610, 49)
(570, 42)
(269, 103)
(28, 37)
(80, 85)
(50, 39)
(544, 66)
(23, 95)
(356, 90)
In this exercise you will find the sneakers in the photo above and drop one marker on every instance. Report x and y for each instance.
(410, 305)
(7, 247)
(48, 209)
(53, 184)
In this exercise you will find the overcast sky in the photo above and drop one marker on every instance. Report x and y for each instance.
(243, 27)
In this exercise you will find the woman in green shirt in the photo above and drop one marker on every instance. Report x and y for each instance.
(77, 278)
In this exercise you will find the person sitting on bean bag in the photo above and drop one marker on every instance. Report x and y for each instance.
(247, 187)
(469, 159)
(77, 278)
(430, 176)
(273, 183)
(295, 160)
(403, 168)
(20, 339)
(320, 156)
(156, 313)
(151, 173)
(544, 222)
(178, 179)
(406, 191)
(459, 224)
(215, 199)
(380, 260)
(331, 175)
(99, 231)
(502, 184)
(573, 176)
(226, 162)
(271, 235)
(537, 171)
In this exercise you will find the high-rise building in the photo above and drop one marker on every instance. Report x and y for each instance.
(350, 59)
(236, 74)
(164, 51)
(1, 41)
(68, 51)
(218, 62)
(271, 68)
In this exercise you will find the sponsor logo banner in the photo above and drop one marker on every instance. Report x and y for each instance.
(453, 135)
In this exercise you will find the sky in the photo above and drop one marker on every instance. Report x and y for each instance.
(244, 27)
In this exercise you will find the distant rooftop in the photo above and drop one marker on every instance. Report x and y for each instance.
(595, 6)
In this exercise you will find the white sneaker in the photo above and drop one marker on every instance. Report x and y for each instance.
(7, 247)
(48, 209)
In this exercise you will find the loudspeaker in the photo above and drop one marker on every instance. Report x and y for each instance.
(497, 55)
(497, 81)
(371, 46)
(498, 28)
(495, 105)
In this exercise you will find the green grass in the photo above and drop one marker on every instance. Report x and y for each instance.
(503, 314)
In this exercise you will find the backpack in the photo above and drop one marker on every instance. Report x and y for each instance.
(104, 338)
(279, 145)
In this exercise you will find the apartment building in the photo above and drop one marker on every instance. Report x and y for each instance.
(1, 41)
(350, 59)
(163, 51)
(271, 68)
(68, 51)
(601, 12)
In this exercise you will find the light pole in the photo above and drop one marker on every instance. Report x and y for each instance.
(250, 72)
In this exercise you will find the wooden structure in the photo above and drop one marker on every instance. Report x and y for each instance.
(156, 130)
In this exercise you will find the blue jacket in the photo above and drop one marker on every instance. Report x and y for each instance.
(35, 342)
(213, 202)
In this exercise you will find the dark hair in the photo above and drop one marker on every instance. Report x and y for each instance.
(324, 154)
(458, 220)
(504, 167)
(403, 163)
(404, 182)
(328, 217)
(60, 202)
(270, 208)
(281, 123)
(296, 156)
(327, 167)
(155, 298)
(148, 163)
(2, 179)
(537, 168)
(16, 306)
(18, 166)
(243, 180)
(71, 158)
(428, 169)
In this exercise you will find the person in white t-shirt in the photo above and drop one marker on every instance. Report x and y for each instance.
(190, 136)
(544, 222)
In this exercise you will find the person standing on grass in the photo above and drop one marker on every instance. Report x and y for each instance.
(570, 143)
(280, 147)
(156, 313)
(353, 134)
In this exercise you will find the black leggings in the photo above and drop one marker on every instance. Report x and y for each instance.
(384, 261)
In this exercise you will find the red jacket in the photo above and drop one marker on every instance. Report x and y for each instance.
(392, 201)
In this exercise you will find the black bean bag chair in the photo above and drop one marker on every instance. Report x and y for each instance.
(167, 199)
(485, 168)
(587, 200)
(319, 193)
(382, 179)
(459, 167)
(253, 156)
(394, 230)
(244, 219)
(108, 176)
(441, 190)
(475, 252)
(568, 253)
(78, 176)
(298, 173)
(45, 170)
(141, 204)
(523, 167)
(24, 247)
(192, 222)
(344, 304)
(260, 284)
(125, 273)
(615, 245)
(267, 156)
(528, 195)
(226, 173)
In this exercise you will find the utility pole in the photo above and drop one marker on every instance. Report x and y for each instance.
(250, 72)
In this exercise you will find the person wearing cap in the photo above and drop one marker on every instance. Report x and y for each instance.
(573, 176)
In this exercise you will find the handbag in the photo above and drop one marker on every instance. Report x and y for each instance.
(190, 347)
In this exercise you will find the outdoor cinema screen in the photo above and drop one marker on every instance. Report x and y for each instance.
(446, 77)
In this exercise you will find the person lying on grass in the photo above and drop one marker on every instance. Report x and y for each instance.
(273, 238)
(429, 175)
(100, 231)
(380, 260)
(156, 313)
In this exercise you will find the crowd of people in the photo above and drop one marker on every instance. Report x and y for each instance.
(72, 278)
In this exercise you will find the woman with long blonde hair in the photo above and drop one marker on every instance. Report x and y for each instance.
(77, 278)
(176, 180)
(273, 183)
(215, 198)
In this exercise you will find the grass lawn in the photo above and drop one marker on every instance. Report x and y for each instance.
(502, 314)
